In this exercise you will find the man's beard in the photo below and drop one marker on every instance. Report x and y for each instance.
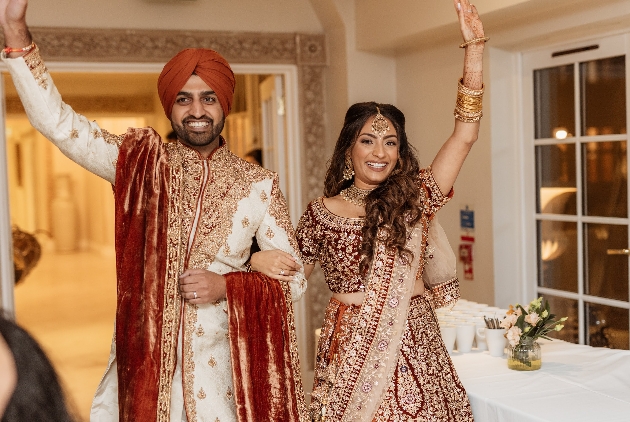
(195, 139)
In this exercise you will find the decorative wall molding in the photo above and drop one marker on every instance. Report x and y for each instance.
(158, 46)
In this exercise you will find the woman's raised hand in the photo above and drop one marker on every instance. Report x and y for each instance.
(469, 21)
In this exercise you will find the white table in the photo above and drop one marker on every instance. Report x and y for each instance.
(576, 383)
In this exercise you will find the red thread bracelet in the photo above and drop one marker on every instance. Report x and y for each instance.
(8, 50)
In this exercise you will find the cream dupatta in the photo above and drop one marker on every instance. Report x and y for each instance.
(370, 360)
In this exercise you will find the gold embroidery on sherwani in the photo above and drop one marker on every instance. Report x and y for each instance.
(96, 133)
(201, 394)
(199, 331)
(232, 180)
(245, 222)
(188, 362)
(216, 185)
(112, 139)
(74, 134)
(278, 210)
(172, 300)
(37, 67)
(269, 233)
(229, 394)
(212, 362)
(263, 196)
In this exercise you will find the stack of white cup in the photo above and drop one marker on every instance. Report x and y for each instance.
(464, 330)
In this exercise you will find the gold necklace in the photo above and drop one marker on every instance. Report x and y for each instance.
(355, 195)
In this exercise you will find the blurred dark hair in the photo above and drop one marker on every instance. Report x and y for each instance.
(256, 154)
(394, 204)
(38, 395)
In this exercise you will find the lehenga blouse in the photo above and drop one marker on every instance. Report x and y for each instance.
(335, 242)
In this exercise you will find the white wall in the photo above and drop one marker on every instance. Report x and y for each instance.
(427, 88)
(352, 75)
(206, 15)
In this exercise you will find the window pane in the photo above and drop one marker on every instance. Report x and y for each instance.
(554, 97)
(557, 255)
(606, 275)
(603, 86)
(606, 326)
(605, 179)
(562, 307)
(555, 179)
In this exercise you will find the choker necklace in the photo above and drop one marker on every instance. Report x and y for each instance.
(355, 195)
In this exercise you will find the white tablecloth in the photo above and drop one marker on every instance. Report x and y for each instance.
(576, 383)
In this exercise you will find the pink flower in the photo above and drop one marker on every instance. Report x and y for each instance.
(514, 335)
(508, 321)
(532, 318)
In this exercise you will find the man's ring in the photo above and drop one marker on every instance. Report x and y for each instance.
(281, 272)
(195, 294)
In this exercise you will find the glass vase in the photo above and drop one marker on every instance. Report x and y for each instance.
(525, 356)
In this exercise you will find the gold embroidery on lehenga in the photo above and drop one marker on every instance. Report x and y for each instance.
(360, 376)
(334, 241)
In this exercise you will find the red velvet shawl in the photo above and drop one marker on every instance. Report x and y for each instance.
(265, 365)
(141, 197)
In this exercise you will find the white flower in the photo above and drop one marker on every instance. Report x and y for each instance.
(508, 321)
(532, 318)
(514, 335)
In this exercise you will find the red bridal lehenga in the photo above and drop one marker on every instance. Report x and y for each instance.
(385, 359)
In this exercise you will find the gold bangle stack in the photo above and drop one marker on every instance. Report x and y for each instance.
(469, 103)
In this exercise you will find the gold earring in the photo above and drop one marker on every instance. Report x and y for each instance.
(348, 171)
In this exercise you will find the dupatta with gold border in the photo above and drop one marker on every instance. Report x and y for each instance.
(370, 361)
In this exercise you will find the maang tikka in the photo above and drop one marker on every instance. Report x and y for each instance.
(379, 124)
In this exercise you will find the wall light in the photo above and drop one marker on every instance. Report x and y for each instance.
(560, 133)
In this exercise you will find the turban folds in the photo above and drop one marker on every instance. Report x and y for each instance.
(209, 65)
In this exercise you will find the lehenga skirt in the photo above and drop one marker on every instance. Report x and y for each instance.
(424, 386)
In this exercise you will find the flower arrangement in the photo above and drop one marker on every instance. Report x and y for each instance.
(534, 322)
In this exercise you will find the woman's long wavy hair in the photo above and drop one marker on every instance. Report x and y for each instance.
(393, 205)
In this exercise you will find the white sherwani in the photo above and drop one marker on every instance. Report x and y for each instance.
(224, 203)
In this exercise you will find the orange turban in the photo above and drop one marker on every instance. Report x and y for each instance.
(209, 65)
